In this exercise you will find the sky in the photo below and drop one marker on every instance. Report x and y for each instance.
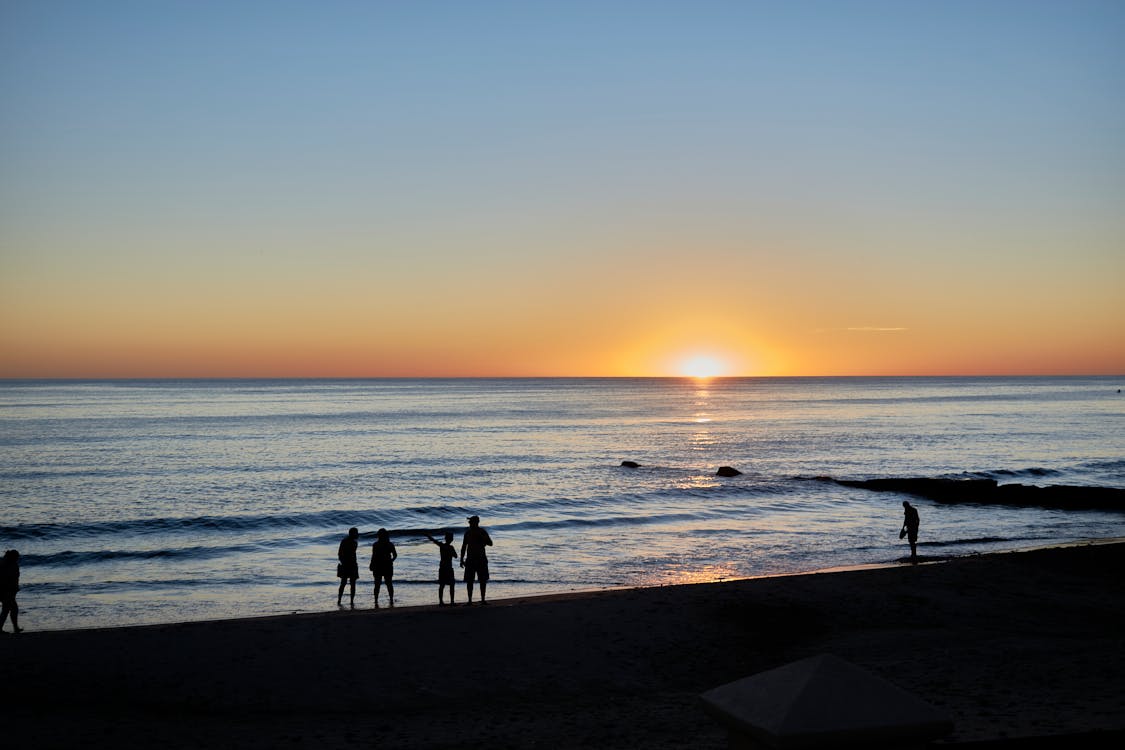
(415, 189)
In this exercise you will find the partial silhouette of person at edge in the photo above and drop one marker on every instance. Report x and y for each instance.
(473, 558)
(910, 529)
(445, 568)
(348, 569)
(9, 585)
(383, 556)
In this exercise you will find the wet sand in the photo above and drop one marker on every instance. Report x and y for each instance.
(1010, 645)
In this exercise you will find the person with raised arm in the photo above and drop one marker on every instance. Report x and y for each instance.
(445, 567)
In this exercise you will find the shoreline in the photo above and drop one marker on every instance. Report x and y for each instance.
(1009, 644)
(520, 599)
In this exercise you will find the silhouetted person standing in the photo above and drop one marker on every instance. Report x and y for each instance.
(473, 559)
(9, 585)
(348, 569)
(383, 556)
(445, 567)
(910, 529)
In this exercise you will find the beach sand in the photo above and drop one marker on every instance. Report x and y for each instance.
(1009, 645)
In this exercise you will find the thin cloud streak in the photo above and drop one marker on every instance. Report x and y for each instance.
(864, 329)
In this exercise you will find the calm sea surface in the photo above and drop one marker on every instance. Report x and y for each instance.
(155, 501)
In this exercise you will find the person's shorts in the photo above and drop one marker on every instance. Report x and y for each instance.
(445, 576)
(477, 569)
(384, 572)
(912, 536)
(347, 572)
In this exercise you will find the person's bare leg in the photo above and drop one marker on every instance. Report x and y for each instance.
(12, 610)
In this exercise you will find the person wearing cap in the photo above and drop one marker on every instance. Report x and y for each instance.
(348, 569)
(473, 559)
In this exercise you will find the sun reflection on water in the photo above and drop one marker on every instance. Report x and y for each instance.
(710, 573)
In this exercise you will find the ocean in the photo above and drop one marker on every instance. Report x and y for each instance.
(135, 502)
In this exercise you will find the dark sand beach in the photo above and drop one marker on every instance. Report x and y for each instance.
(1027, 644)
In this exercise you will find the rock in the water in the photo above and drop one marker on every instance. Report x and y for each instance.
(630, 464)
(727, 471)
(990, 492)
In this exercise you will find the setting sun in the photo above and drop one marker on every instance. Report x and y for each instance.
(702, 366)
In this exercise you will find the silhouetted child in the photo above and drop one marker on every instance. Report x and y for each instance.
(445, 567)
(9, 585)
(383, 556)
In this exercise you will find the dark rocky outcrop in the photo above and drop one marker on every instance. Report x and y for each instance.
(990, 492)
(630, 464)
(727, 471)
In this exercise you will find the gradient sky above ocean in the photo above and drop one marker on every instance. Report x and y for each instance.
(580, 188)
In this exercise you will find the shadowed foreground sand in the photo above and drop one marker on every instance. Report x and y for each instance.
(1009, 645)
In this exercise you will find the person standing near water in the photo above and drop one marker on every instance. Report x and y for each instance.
(383, 556)
(348, 569)
(445, 568)
(475, 562)
(910, 529)
(9, 585)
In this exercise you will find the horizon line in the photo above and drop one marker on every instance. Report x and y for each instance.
(134, 378)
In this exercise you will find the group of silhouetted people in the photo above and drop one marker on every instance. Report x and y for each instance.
(472, 558)
(383, 555)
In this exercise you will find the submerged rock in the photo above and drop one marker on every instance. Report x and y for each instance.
(630, 464)
(727, 471)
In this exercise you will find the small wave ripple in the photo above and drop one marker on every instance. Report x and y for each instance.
(72, 557)
(240, 524)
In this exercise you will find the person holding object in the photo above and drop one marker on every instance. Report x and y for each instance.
(473, 558)
(910, 529)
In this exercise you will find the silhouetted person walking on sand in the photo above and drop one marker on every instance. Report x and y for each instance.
(475, 562)
(445, 568)
(383, 556)
(910, 530)
(9, 585)
(348, 569)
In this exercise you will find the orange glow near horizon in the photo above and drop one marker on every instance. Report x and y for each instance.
(121, 332)
(99, 345)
